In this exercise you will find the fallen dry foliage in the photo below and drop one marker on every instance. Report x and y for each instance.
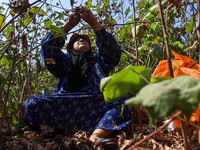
(80, 140)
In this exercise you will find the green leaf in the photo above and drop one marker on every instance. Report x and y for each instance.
(47, 23)
(164, 98)
(181, 46)
(140, 31)
(58, 23)
(148, 16)
(8, 31)
(159, 79)
(142, 48)
(106, 3)
(27, 19)
(37, 10)
(123, 33)
(14, 121)
(177, 42)
(57, 31)
(127, 11)
(89, 4)
(154, 25)
(2, 22)
(39, 139)
(156, 5)
(155, 51)
(123, 58)
(5, 61)
(190, 26)
(124, 82)
(104, 82)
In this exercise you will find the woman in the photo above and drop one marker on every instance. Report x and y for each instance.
(77, 103)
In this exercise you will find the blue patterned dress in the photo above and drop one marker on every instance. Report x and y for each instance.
(85, 110)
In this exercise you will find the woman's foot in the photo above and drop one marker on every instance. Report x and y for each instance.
(106, 144)
(100, 140)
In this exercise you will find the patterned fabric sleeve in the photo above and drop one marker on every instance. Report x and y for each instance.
(51, 50)
(109, 51)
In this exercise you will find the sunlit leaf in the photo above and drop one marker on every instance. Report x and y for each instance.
(38, 10)
(58, 23)
(47, 23)
(123, 33)
(5, 61)
(127, 11)
(124, 82)
(8, 31)
(154, 25)
(2, 23)
(57, 31)
(164, 98)
(177, 42)
(190, 26)
(89, 4)
(123, 58)
(156, 5)
(159, 79)
(148, 16)
(140, 31)
(27, 19)
(106, 3)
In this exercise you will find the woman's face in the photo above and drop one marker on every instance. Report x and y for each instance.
(81, 45)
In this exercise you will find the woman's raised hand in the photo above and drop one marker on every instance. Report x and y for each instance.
(87, 15)
(73, 20)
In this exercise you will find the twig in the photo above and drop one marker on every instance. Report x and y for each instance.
(132, 49)
(166, 39)
(20, 104)
(131, 55)
(184, 134)
(178, 143)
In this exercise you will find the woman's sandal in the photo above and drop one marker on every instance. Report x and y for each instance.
(106, 144)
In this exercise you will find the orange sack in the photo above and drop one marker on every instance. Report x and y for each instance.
(181, 66)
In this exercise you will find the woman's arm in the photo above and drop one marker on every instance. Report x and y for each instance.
(109, 51)
(58, 61)
(51, 50)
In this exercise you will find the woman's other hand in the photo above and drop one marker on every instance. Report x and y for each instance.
(87, 15)
(73, 20)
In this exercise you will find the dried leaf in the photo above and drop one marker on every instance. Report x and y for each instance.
(24, 41)
(19, 5)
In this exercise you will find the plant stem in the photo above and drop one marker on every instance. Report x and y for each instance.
(140, 122)
(183, 131)
(166, 39)
(135, 39)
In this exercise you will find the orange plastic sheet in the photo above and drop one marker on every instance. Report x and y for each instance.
(181, 66)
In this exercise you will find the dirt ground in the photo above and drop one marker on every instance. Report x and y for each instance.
(163, 140)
